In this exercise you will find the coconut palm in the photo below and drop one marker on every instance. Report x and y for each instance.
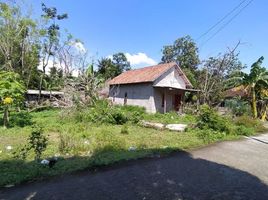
(255, 82)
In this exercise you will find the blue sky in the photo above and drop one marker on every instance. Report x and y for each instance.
(143, 27)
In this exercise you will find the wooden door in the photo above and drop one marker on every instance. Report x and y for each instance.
(177, 102)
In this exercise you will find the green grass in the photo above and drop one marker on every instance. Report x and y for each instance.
(83, 145)
(170, 118)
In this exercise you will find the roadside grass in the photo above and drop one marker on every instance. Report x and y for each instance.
(81, 145)
(170, 118)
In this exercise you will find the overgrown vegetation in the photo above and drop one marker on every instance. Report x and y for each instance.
(102, 112)
(214, 127)
(104, 134)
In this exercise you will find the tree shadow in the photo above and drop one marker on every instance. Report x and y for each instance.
(159, 176)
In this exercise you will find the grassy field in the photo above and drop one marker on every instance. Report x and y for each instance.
(81, 145)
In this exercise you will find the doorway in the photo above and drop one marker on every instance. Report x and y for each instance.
(177, 102)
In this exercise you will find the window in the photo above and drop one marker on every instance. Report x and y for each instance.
(125, 99)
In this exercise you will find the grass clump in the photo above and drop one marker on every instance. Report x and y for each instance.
(124, 129)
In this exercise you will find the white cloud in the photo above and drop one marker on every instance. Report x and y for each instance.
(51, 63)
(79, 46)
(140, 58)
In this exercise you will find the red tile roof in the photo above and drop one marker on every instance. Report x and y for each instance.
(146, 74)
(239, 91)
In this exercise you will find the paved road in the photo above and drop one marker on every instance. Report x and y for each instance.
(229, 170)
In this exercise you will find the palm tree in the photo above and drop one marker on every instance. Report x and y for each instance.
(255, 82)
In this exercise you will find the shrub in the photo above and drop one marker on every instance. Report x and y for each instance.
(103, 112)
(36, 142)
(242, 130)
(246, 121)
(238, 107)
(21, 119)
(210, 135)
(250, 123)
(210, 119)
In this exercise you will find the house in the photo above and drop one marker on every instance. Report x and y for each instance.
(32, 96)
(158, 88)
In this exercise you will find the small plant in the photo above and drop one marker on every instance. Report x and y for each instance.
(36, 142)
(65, 144)
(124, 129)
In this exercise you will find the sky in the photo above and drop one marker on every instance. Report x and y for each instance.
(140, 28)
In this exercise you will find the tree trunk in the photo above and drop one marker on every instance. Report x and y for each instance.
(254, 103)
(263, 116)
(40, 89)
(6, 117)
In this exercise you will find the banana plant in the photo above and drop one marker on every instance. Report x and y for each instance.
(255, 82)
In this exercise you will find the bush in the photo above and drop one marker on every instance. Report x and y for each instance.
(21, 119)
(238, 107)
(37, 142)
(103, 112)
(250, 123)
(210, 119)
(242, 130)
(246, 121)
(209, 135)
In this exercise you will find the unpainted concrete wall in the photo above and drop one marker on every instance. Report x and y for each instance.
(140, 94)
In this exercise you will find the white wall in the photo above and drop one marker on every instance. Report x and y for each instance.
(171, 78)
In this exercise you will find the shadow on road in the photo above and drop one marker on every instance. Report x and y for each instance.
(177, 176)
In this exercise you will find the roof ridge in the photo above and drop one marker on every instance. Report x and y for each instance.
(157, 65)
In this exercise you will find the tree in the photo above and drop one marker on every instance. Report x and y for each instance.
(256, 82)
(18, 41)
(49, 34)
(212, 76)
(121, 63)
(183, 51)
(11, 92)
(109, 68)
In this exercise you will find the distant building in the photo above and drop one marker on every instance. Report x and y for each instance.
(158, 88)
(32, 96)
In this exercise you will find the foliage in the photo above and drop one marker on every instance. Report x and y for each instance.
(213, 126)
(11, 93)
(109, 68)
(256, 81)
(103, 112)
(21, 119)
(105, 145)
(238, 107)
(65, 144)
(11, 87)
(249, 122)
(212, 76)
(210, 135)
(18, 41)
(184, 51)
(36, 142)
(210, 119)
(170, 118)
